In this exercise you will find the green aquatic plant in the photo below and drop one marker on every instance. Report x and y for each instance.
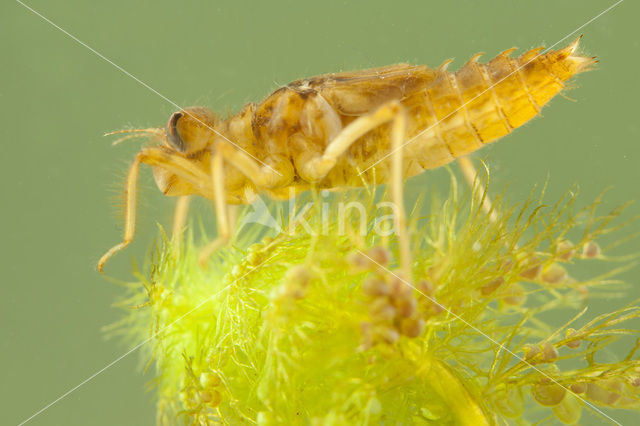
(320, 327)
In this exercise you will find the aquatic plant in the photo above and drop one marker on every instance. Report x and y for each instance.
(320, 327)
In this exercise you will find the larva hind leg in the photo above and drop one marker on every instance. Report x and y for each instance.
(398, 134)
(478, 189)
(314, 167)
(220, 204)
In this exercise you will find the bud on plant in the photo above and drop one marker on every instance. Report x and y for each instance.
(554, 274)
(380, 255)
(548, 393)
(573, 344)
(374, 286)
(491, 286)
(532, 270)
(549, 352)
(209, 380)
(591, 250)
(565, 250)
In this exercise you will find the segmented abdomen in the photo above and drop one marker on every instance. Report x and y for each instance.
(463, 110)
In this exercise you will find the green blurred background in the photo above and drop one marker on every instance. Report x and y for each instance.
(62, 181)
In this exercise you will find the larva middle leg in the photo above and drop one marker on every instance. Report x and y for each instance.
(318, 166)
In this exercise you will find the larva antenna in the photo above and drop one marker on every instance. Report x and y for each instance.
(135, 133)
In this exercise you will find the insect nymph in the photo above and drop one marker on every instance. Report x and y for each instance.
(382, 124)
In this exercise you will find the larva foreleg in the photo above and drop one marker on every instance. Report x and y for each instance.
(130, 213)
(153, 157)
(220, 203)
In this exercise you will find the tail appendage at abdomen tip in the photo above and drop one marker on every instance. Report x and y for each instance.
(482, 102)
(539, 77)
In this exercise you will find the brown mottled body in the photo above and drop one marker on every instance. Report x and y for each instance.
(449, 114)
(335, 130)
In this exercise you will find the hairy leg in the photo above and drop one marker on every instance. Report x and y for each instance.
(154, 157)
(316, 167)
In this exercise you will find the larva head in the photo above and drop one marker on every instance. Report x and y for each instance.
(190, 130)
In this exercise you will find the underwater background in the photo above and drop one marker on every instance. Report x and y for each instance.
(62, 180)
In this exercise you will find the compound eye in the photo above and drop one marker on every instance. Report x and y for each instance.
(172, 132)
(190, 130)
